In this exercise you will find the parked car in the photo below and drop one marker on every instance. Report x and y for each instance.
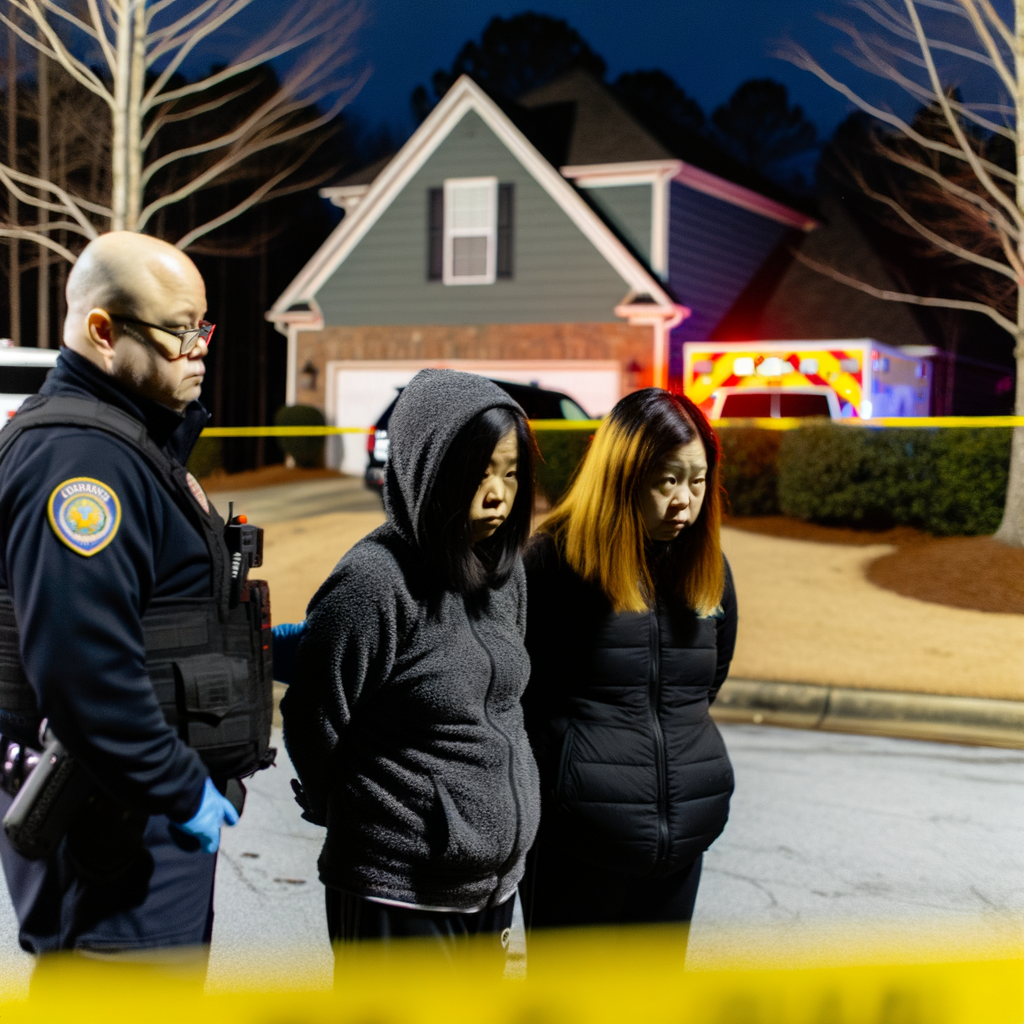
(538, 404)
(22, 372)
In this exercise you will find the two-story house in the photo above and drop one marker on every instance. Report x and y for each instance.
(552, 241)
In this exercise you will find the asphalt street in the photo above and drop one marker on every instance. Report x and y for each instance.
(826, 829)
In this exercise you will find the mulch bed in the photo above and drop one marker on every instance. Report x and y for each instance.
(268, 476)
(961, 572)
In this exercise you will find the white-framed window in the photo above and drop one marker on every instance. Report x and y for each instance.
(470, 230)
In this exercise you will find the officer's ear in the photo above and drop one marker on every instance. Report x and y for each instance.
(99, 329)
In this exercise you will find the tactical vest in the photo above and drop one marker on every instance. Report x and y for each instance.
(209, 662)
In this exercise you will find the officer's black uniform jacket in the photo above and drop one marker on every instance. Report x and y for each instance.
(634, 773)
(79, 618)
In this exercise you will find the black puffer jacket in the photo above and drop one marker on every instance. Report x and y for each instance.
(634, 773)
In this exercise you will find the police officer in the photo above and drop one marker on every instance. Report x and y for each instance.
(114, 566)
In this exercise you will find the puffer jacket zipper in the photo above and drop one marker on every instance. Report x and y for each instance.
(654, 698)
(511, 859)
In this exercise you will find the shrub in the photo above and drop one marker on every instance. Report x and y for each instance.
(307, 452)
(207, 457)
(750, 470)
(972, 469)
(944, 481)
(561, 452)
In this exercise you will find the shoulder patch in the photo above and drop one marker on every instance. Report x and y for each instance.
(85, 514)
(197, 492)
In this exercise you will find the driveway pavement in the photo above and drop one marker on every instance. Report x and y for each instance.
(826, 830)
(264, 505)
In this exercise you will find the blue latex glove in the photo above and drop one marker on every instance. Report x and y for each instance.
(205, 824)
(286, 642)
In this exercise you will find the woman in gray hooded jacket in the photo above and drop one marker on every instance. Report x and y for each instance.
(403, 718)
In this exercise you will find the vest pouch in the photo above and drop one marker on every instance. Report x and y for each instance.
(210, 687)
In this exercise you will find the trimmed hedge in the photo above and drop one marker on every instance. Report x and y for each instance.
(945, 481)
(307, 452)
(750, 470)
(561, 452)
(950, 482)
(207, 457)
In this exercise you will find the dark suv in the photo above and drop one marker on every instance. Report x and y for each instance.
(537, 403)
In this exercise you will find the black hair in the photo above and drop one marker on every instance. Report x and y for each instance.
(444, 522)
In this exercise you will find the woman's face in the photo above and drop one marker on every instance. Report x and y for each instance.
(493, 500)
(673, 493)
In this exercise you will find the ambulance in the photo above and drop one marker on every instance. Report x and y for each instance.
(850, 379)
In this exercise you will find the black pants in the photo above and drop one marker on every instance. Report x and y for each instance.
(160, 896)
(561, 892)
(354, 919)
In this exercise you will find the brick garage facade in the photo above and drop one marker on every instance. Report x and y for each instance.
(630, 345)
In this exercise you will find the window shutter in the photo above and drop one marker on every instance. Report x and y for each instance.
(435, 234)
(505, 209)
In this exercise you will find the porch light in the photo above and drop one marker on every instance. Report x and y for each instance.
(308, 376)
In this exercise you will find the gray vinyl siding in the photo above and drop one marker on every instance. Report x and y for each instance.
(715, 248)
(628, 209)
(559, 277)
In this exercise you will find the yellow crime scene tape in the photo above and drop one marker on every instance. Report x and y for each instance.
(588, 977)
(763, 424)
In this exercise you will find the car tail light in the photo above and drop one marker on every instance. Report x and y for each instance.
(370, 440)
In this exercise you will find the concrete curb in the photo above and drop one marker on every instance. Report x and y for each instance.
(920, 716)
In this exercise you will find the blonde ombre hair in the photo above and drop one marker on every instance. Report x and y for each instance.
(598, 526)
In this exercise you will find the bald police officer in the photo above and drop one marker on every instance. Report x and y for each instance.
(119, 628)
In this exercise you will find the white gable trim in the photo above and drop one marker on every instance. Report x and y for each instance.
(595, 175)
(464, 95)
(656, 173)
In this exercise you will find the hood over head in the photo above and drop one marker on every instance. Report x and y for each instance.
(428, 416)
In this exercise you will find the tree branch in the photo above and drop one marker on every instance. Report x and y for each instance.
(82, 26)
(71, 65)
(158, 8)
(977, 165)
(258, 120)
(34, 236)
(9, 176)
(194, 38)
(246, 204)
(231, 160)
(153, 98)
(181, 24)
(981, 30)
(999, 25)
(913, 300)
(799, 57)
(875, 65)
(164, 119)
(998, 216)
(937, 240)
(101, 37)
(891, 22)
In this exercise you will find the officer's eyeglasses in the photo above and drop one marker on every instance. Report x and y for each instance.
(189, 338)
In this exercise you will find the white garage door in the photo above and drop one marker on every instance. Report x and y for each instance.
(358, 392)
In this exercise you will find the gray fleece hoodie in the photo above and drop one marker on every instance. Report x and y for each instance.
(403, 719)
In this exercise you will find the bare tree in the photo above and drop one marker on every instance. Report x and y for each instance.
(141, 46)
(14, 261)
(958, 181)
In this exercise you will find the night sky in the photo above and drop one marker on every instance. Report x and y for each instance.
(708, 46)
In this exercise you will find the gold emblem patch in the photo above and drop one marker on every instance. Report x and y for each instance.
(85, 514)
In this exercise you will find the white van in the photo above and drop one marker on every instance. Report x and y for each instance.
(22, 372)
